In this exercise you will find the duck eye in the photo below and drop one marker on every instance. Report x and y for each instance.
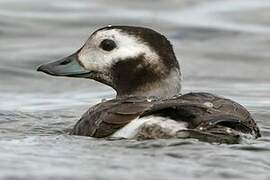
(107, 45)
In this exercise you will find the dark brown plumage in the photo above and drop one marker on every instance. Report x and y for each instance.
(208, 116)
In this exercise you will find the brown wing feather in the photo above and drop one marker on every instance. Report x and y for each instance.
(205, 114)
(107, 117)
(225, 112)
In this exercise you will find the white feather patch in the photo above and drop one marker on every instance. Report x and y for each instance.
(133, 128)
(128, 46)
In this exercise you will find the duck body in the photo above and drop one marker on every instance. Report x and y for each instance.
(140, 65)
(202, 116)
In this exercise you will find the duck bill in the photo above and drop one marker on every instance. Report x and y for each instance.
(68, 66)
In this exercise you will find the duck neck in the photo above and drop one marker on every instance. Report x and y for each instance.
(162, 87)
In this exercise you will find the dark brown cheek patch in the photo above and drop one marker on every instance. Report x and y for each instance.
(133, 73)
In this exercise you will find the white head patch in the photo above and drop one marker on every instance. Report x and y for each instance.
(92, 57)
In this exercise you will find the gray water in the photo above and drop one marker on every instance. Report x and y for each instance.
(223, 48)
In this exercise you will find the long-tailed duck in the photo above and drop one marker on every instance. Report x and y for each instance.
(140, 64)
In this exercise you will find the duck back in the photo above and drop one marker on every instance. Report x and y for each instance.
(206, 117)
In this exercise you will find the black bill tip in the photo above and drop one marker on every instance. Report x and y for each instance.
(68, 66)
(43, 68)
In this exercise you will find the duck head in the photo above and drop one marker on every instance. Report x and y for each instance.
(132, 60)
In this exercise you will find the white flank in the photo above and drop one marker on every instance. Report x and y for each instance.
(133, 128)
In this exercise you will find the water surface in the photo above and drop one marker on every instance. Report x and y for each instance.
(222, 46)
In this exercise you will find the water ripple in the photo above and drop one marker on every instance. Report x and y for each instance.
(223, 47)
